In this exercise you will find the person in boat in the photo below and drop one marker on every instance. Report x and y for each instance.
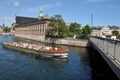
(56, 48)
(47, 47)
(32, 46)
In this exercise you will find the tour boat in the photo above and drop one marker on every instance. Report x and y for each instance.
(39, 50)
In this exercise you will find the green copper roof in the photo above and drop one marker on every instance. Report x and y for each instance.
(40, 15)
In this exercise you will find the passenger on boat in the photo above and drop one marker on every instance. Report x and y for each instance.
(56, 48)
(33, 46)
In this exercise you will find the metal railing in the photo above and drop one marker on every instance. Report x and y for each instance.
(109, 47)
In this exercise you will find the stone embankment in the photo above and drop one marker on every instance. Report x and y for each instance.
(6, 34)
(60, 41)
(69, 42)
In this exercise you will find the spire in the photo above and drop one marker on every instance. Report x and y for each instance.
(40, 15)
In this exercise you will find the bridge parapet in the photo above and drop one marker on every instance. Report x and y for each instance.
(109, 47)
(110, 51)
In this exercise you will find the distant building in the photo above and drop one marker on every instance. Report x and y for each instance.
(114, 28)
(98, 31)
(31, 28)
(2, 28)
(106, 31)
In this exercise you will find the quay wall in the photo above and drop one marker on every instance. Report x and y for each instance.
(5, 34)
(60, 41)
(31, 37)
(69, 42)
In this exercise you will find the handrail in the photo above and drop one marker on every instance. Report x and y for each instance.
(109, 47)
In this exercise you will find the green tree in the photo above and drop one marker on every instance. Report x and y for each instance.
(86, 31)
(115, 32)
(75, 29)
(57, 27)
(62, 30)
(118, 36)
(6, 29)
(13, 28)
(57, 17)
(52, 28)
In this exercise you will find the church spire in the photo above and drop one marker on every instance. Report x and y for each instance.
(40, 15)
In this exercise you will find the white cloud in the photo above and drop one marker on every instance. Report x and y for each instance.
(16, 3)
(96, 1)
(114, 6)
(6, 18)
(44, 6)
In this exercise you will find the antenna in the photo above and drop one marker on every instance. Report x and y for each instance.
(91, 20)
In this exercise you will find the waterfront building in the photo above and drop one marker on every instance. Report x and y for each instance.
(31, 28)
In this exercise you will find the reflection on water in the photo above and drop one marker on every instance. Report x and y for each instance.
(100, 69)
(15, 65)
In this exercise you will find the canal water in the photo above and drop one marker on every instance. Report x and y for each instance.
(82, 64)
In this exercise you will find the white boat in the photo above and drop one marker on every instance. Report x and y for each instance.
(51, 52)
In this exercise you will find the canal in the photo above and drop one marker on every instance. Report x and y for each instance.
(82, 64)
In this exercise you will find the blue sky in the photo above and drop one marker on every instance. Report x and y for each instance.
(105, 12)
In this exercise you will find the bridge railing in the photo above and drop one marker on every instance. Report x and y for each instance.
(109, 47)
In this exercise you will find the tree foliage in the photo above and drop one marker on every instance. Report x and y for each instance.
(115, 32)
(86, 30)
(75, 29)
(57, 17)
(62, 30)
(6, 29)
(57, 27)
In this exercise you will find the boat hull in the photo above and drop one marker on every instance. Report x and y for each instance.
(39, 53)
